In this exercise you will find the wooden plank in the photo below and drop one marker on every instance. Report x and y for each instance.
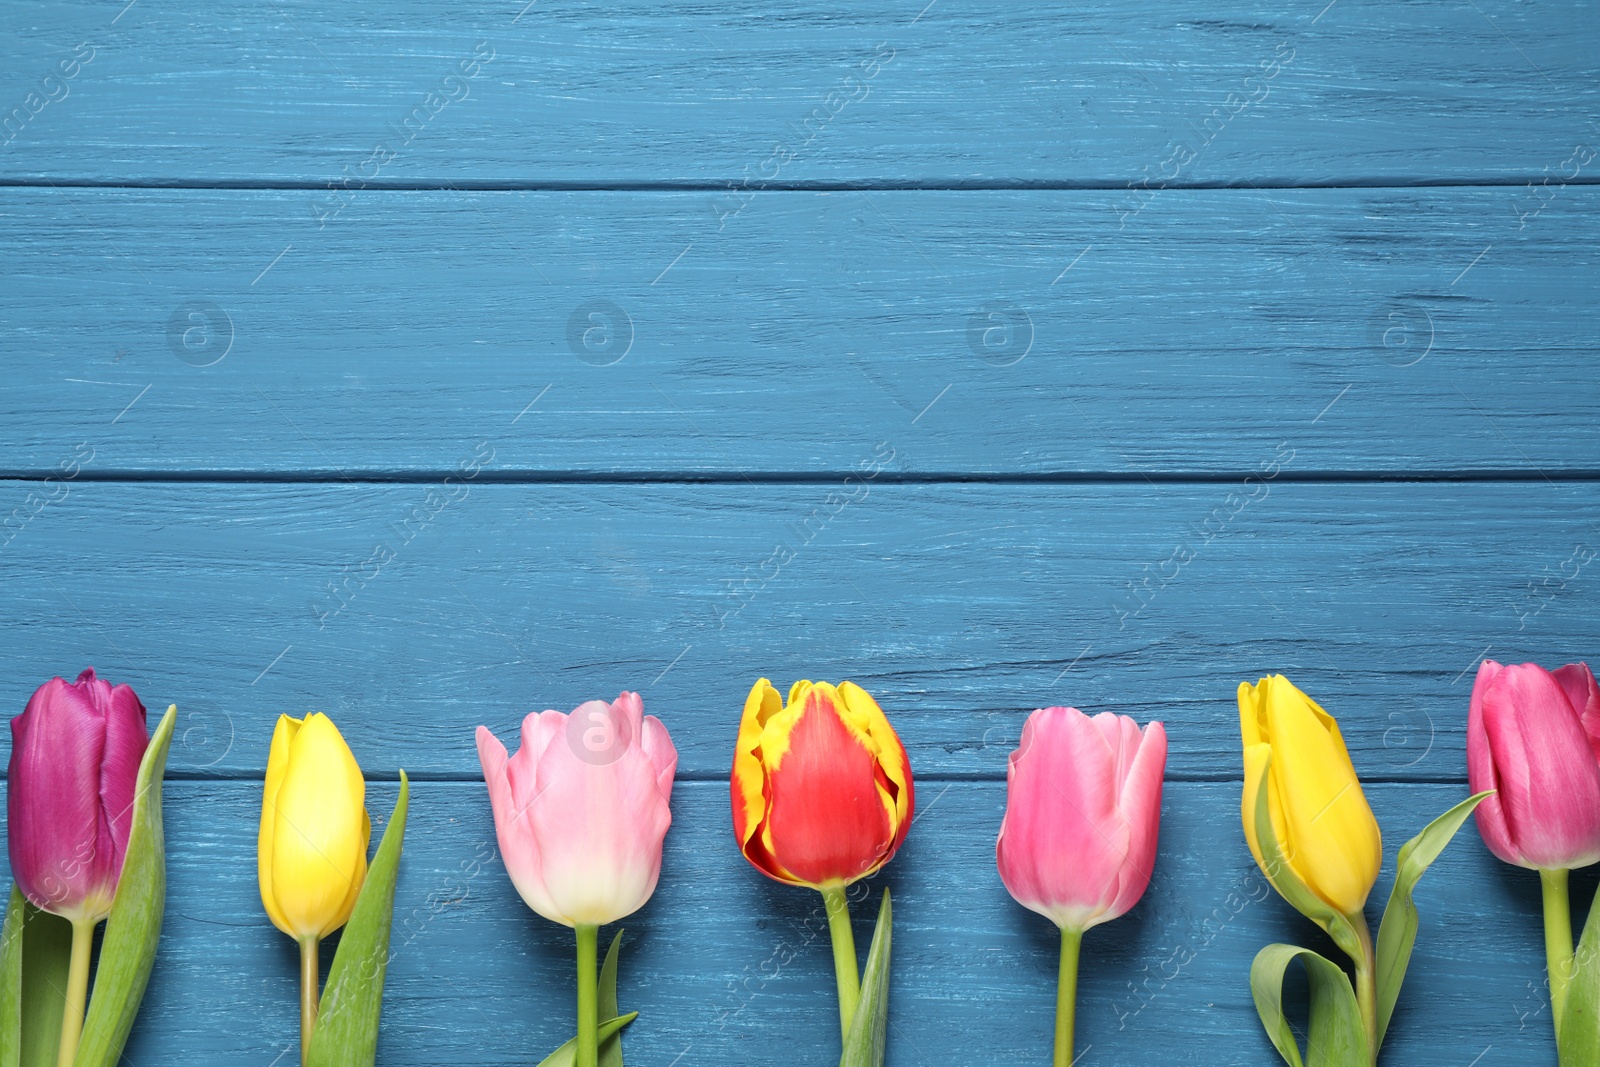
(412, 613)
(1373, 330)
(722, 963)
(834, 91)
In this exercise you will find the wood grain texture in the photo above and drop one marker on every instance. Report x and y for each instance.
(1374, 330)
(961, 607)
(724, 965)
(1097, 91)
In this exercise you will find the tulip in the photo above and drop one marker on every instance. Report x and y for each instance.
(1083, 809)
(822, 797)
(580, 812)
(312, 853)
(75, 754)
(1320, 816)
(1534, 736)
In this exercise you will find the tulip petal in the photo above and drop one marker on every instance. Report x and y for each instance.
(1577, 681)
(826, 821)
(1549, 783)
(517, 850)
(277, 767)
(1140, 806)
(1482, 776)
(126, 740)
(598, 828)
(318, 848)
(662, 754)
(1063, 843)
(58, 840)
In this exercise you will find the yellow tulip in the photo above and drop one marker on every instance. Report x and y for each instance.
(1325, 829)
(312, 857)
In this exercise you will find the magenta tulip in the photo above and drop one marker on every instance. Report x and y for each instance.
(1534, 736)
(75, 754)
(582, 808)
(1083, 809)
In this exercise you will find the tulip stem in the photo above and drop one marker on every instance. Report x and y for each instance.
(1557, 939)
(845, 970)
(308, 994)
(1067, 995)
(1367, 985)
(588, 997)
(77, 991)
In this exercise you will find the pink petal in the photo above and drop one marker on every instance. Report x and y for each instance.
(517, 849)
(1481, 774)
(661, 753)
(1141, 808)
(1577, 681)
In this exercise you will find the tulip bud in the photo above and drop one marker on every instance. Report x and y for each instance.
(822, 792)
(1534, 736)
(1327, 833)
(1083, 809)
(75, 755)
(312, 856)
(582, 809)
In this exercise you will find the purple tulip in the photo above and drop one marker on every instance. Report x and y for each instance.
(75, 754)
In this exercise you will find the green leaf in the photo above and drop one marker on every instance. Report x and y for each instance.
(869, 1028)
(567, 1055)
(133, 932)
(1398, 932)
(352, 1001)
(1578, 1036)
(611, 1047)
(1337, 1038)
(1288, 883)
(35, 952)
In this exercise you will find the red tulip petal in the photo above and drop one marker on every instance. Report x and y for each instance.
(826, 821)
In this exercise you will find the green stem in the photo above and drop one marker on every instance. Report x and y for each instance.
(1557, 939)
(308, 994)
(588, 997)
(1067, 995)
(77, 991)
(845, 970)
(1367, 984)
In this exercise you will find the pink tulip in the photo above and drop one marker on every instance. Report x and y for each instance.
(1534, 736)
(582, 808)
(75, 753)
(1083, 808)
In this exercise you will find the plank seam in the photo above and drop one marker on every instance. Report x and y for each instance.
(982, 185)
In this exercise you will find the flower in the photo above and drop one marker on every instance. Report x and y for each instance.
(582, 808)
(75, 754)
(1083, 809)
(822, 792)
(1534, 736)
(312, 856)
(1320, 816)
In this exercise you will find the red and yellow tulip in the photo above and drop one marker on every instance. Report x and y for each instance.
(822, 792)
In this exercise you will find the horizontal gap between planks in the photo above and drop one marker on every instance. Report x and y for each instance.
(720, 776)
(469, 185)
(829, 477)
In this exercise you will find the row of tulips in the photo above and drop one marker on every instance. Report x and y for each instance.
(822, 797)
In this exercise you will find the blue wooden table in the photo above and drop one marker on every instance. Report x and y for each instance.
(427, 364)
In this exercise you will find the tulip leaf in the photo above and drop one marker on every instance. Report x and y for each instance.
(1578, 1029)
(347, 1026)
(869, 1028)
(133, 932)
(34, 956)
(1289, 885)
(1398, 932)
(567, 1055)
(611, 1047)
(1337, 1036)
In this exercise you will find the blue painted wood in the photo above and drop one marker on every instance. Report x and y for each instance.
(977, 333)
(300, 306)
(961, 607)
(1362, 91)
(724, 965)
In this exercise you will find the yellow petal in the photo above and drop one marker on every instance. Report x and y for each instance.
(867, 720)
(319, 847)
(1332, 839)
(277, 765)
(760, 706)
